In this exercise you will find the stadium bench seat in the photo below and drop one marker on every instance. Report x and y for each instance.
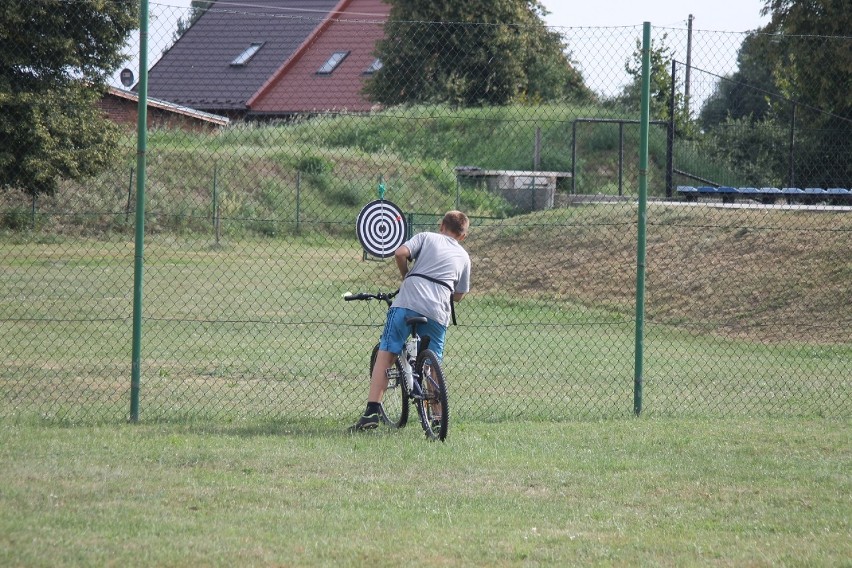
(833, 196)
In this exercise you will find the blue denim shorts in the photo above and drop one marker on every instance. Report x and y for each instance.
(396, 332)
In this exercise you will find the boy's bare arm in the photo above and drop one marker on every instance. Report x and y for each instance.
(401, 256)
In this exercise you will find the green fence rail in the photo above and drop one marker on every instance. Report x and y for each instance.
(250, 209)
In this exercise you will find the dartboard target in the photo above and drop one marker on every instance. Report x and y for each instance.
(381, 228)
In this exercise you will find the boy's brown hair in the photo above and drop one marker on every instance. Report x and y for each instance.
(456, 222)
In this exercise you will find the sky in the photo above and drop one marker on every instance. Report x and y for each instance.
(708, 15)
(716, 15)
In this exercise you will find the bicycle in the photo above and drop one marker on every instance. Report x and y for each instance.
(418, 377)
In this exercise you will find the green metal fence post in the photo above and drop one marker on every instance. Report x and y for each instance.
(643, 206)
(141, 149)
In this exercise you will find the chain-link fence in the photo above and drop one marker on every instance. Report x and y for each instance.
(270, 129)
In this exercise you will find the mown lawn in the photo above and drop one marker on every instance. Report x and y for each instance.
(649, 492)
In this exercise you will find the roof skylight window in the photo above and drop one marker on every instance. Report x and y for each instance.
(246, 55)
(375, 66)
(336, 59)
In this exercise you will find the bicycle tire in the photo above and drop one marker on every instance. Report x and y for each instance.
(433, 408)
(395, 401)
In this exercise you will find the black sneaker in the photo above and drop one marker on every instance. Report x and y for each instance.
(366, 422)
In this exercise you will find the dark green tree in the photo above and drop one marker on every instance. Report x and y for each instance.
(749, 93)
(660, 88)
(551, 75)
(811, 58)
(55, 57)
(792, 77)
(744, 124)
(660, 81)
(811, 62)
(473, 52)
(802, 55)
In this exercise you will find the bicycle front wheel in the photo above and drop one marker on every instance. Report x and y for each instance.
(395, 401)
(433, 409)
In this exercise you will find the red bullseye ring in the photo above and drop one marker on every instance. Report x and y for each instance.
(381, 228)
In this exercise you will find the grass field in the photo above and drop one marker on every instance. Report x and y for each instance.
(745, 492)
(253, 365)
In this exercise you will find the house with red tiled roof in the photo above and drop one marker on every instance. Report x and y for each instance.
(273, 58)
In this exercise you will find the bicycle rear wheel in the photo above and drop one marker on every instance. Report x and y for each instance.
(433, 409)
(395, 401)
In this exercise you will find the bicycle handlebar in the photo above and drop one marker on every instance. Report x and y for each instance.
(386, 296)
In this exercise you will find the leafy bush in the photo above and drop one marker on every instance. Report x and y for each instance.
(17, 218)
(754, 153)
(314, 165)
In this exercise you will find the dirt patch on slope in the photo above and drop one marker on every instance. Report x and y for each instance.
(761, 274)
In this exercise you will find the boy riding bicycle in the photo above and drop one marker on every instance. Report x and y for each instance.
(439, 276)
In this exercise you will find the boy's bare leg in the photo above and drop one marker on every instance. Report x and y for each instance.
(379, 379)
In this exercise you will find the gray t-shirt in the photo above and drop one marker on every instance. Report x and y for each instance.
(440, 257)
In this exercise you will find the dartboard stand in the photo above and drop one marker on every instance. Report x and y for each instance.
(367, 257)
(381, 227)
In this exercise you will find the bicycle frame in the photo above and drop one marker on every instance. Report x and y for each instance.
(411, 347)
